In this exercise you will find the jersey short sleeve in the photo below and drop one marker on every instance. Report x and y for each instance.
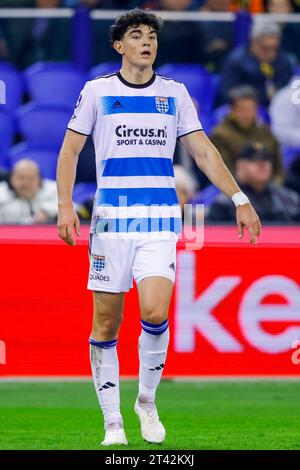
(188, 120)
(84, 116)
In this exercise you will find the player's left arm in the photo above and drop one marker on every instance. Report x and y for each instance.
(209, 160)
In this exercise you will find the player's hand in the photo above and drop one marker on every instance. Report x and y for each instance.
(247, 217)
(67, 222)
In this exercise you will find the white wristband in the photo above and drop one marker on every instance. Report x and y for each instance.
(240, 199)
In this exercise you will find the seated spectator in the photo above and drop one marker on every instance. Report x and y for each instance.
(272, 202)
(216, 37)
(293, 176)
(285, 115)
(25, 198)
(261, 64)
(242, 126)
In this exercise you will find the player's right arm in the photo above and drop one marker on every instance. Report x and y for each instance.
(66, 173)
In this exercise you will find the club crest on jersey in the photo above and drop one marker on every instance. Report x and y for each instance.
(162, 104)
(98, 263)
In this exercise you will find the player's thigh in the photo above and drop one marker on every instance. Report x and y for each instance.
(155, 294)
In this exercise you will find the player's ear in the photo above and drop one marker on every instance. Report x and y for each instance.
(118, 46)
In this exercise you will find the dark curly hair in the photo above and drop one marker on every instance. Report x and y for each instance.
(134, 18)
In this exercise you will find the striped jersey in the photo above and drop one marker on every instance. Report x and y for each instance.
(134, 129)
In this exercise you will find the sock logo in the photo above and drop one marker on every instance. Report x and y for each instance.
(161, 366)
(107, 385)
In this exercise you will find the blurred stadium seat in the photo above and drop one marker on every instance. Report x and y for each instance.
(14, 85)
(7, 129)
(45, 157)
(4, 163)
(84, 192)
(199, 82)
(289, 154)
(43, 125)
(54, 83)
(104, 69)
(206, 195)
(207, 121)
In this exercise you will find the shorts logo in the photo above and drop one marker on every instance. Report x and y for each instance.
(172, 266)
(162, 104)
(98, 263)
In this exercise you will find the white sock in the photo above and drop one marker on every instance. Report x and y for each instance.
(105, 369)
(153, 346)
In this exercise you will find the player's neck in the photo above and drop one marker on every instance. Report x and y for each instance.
(135, 75)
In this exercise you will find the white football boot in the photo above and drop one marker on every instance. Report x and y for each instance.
(152, 429)
(114, 437)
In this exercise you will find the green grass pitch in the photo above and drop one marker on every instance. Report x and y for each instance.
(197, 415)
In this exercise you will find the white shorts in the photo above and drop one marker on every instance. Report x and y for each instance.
(115, 262)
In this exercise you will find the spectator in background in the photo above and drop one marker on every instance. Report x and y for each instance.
(241, 126)
(216, 37)
(272, 202)
(295, 5)
(290, 31)
(25, 198)
(285, 114)
(261, 64)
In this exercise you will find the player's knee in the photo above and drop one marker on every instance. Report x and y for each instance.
(106, 328)
(155, 315)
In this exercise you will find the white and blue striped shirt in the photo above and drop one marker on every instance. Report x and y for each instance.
(134, 129)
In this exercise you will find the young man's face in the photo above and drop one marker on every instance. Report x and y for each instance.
(138, 46)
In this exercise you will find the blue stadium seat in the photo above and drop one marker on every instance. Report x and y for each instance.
(56, 83)
(83, 192)
(207, 122)
(45, 157)
(199, 82)
(104, 69)
(7, 129)
(207, 195)
(14, 85)
(43, 125)
(289, 154)
(4, 161)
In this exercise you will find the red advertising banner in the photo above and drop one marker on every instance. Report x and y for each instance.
(235, 309)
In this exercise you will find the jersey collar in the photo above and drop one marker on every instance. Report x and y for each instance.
(134, 85)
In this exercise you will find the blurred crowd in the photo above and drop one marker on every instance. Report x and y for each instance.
(26, 40)
(255, 123)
